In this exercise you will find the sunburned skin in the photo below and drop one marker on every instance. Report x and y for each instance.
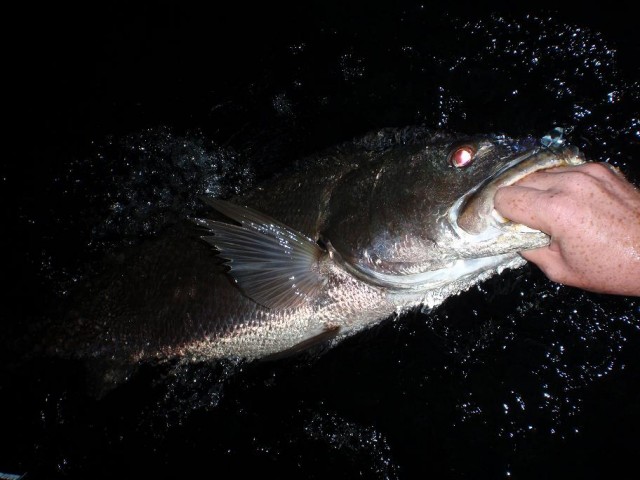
(592, 214)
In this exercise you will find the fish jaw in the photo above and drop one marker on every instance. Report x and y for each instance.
(460, 280)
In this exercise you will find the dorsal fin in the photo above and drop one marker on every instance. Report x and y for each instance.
(273, 264)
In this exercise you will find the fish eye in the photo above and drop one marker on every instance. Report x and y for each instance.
(463, 156)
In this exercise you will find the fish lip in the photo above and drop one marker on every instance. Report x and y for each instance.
(480, 198)
(568, 156)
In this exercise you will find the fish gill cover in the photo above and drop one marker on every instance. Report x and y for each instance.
(127, 126)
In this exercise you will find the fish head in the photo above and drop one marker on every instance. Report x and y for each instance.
(422, 214)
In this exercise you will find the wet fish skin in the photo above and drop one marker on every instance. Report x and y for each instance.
(367, 228)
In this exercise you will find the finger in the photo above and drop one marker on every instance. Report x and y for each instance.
(520, 205)
(559, 176)
(539, 256)
(548, 260)
(547, 179)
(600, 170)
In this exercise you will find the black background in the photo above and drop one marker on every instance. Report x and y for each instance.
(76, 74)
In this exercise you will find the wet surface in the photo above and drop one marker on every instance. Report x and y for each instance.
(127, 118)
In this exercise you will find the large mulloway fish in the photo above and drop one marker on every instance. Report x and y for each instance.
(388, 222)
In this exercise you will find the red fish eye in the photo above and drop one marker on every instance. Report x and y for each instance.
(461, 156)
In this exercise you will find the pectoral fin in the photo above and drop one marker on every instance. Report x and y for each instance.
(273, 264)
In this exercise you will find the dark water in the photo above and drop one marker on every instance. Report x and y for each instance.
(125, 116)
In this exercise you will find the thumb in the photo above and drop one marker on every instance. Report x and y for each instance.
(522, 205)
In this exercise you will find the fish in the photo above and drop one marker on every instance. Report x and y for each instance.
(398, 219)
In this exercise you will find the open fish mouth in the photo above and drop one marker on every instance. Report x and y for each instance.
(474, 213)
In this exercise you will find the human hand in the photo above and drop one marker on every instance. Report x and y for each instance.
(592, 214)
